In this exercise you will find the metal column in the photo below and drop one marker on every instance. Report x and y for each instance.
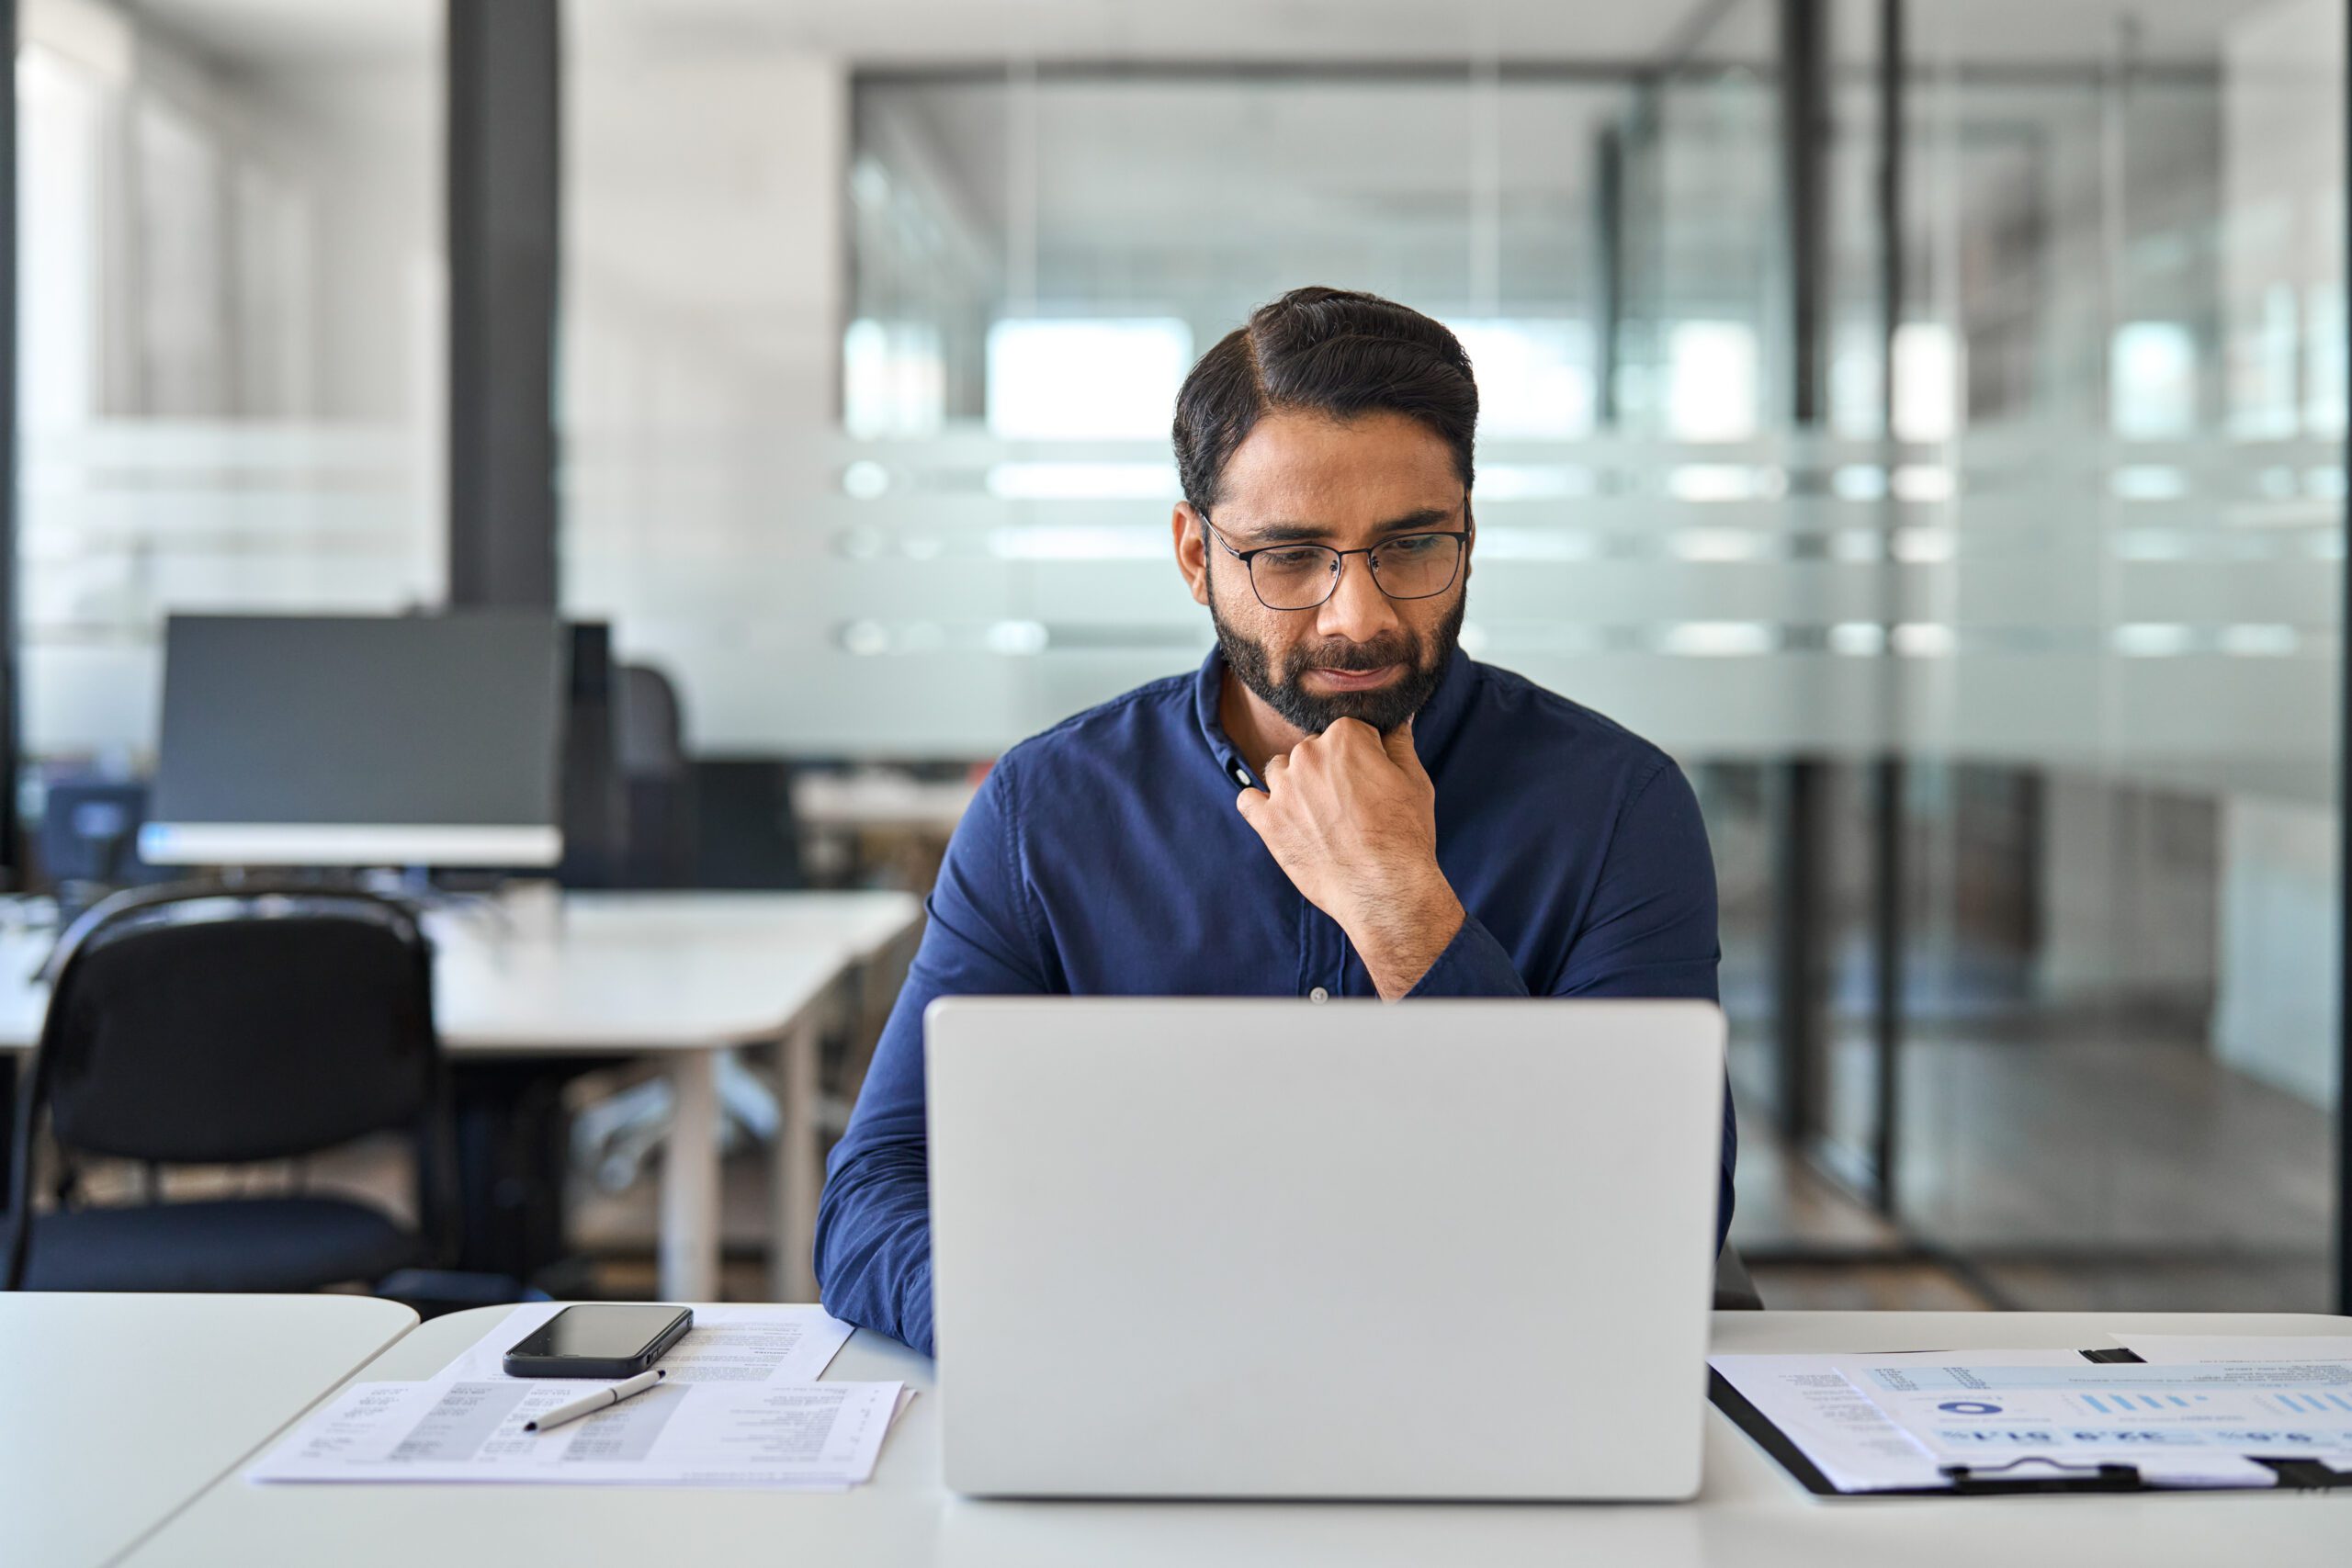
(504, 134)
(1800, 846)
(1887, 781)
(2344, 822)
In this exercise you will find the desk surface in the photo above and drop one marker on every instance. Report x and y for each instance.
(117, 1409)
(1750, 1511)
(865, 922)
(881, 800)
(620, 971)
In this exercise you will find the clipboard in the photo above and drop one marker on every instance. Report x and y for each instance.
(2022, 1477)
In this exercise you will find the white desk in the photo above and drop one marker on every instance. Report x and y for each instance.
(876, 798)
(680, 977)
(865, 922)
(1750, 1511)
(116, 1410)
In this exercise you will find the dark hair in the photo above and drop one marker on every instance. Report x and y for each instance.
(1329, 350)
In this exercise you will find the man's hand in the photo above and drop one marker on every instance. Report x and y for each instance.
(1350, 817)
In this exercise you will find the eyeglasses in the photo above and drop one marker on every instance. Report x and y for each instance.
(1301, 577)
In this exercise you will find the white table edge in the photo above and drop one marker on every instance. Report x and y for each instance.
(230, 1471)
(1790, 1504)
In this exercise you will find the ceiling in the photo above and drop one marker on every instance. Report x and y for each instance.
(948, 32)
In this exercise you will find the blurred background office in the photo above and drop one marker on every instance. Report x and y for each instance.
(1924, 417)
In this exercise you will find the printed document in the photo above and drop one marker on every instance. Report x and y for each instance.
(2180, 1424)
(1852, 1442)
(740, 1406)
(804, 1435)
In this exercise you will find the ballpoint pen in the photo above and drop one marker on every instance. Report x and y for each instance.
(589, 1404)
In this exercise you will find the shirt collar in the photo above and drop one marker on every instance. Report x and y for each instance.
(1433, 727)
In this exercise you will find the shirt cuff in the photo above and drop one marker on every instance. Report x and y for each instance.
(917, 1312)
(1472, 965)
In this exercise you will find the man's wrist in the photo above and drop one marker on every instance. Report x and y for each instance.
(1398, 936)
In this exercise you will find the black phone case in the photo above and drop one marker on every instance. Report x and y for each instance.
(599, 1366)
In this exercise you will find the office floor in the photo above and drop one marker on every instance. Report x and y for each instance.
(2069, 1165)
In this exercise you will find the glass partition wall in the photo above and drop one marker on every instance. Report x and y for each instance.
(230, 297)
(2121, 1082)
(2055, 619)
(1945, 467)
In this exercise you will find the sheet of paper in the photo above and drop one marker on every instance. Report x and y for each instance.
(807, 1436)
(1850, 1440)
(2180, 1424)
(729, 1343)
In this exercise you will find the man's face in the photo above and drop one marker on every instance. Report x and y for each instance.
(1307, 478)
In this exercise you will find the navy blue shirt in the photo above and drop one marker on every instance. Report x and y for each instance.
(1105, 858)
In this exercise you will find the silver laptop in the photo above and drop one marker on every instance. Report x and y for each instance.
(1245, 1248)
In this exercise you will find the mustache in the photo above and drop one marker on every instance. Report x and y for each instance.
(1377, 654)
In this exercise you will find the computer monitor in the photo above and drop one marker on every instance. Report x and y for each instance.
(329, 740)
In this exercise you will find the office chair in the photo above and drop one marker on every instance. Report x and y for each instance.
(196, 1023)
(615, 1137)
(746, 832)
(657, 781)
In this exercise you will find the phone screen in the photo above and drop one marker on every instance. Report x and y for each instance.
(609, 1333)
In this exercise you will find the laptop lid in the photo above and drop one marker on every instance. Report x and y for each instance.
(1233, 1248)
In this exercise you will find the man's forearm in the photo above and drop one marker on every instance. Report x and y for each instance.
(874, 1246)
(1400, 935)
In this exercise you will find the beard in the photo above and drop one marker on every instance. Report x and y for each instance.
(1384, 707)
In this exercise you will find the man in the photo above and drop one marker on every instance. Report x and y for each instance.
(1335, 804)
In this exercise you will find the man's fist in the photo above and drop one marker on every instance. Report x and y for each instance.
(1350, 817)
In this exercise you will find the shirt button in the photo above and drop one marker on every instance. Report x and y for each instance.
(1318, 995)
(1241, 776)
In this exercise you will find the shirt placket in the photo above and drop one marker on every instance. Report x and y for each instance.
(1321, 955)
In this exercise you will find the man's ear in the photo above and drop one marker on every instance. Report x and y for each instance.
(1192, 551)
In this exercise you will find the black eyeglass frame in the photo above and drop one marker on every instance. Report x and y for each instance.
(1461, 537)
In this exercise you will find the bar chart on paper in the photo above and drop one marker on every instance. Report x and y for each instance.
(2322, 1402)
(2130, 1404)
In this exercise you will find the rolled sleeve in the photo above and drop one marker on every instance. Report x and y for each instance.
(1472, 965)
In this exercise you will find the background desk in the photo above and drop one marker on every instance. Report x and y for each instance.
(1750, 1511)
(116, 1410)
(678, 978)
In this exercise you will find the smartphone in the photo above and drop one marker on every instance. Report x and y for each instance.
(599, 1341)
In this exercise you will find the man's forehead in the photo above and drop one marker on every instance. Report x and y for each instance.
(1333, 476)
(1315, 452)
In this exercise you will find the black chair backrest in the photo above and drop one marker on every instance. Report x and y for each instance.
(746, 833)
(651, 732)
(194, 1025)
